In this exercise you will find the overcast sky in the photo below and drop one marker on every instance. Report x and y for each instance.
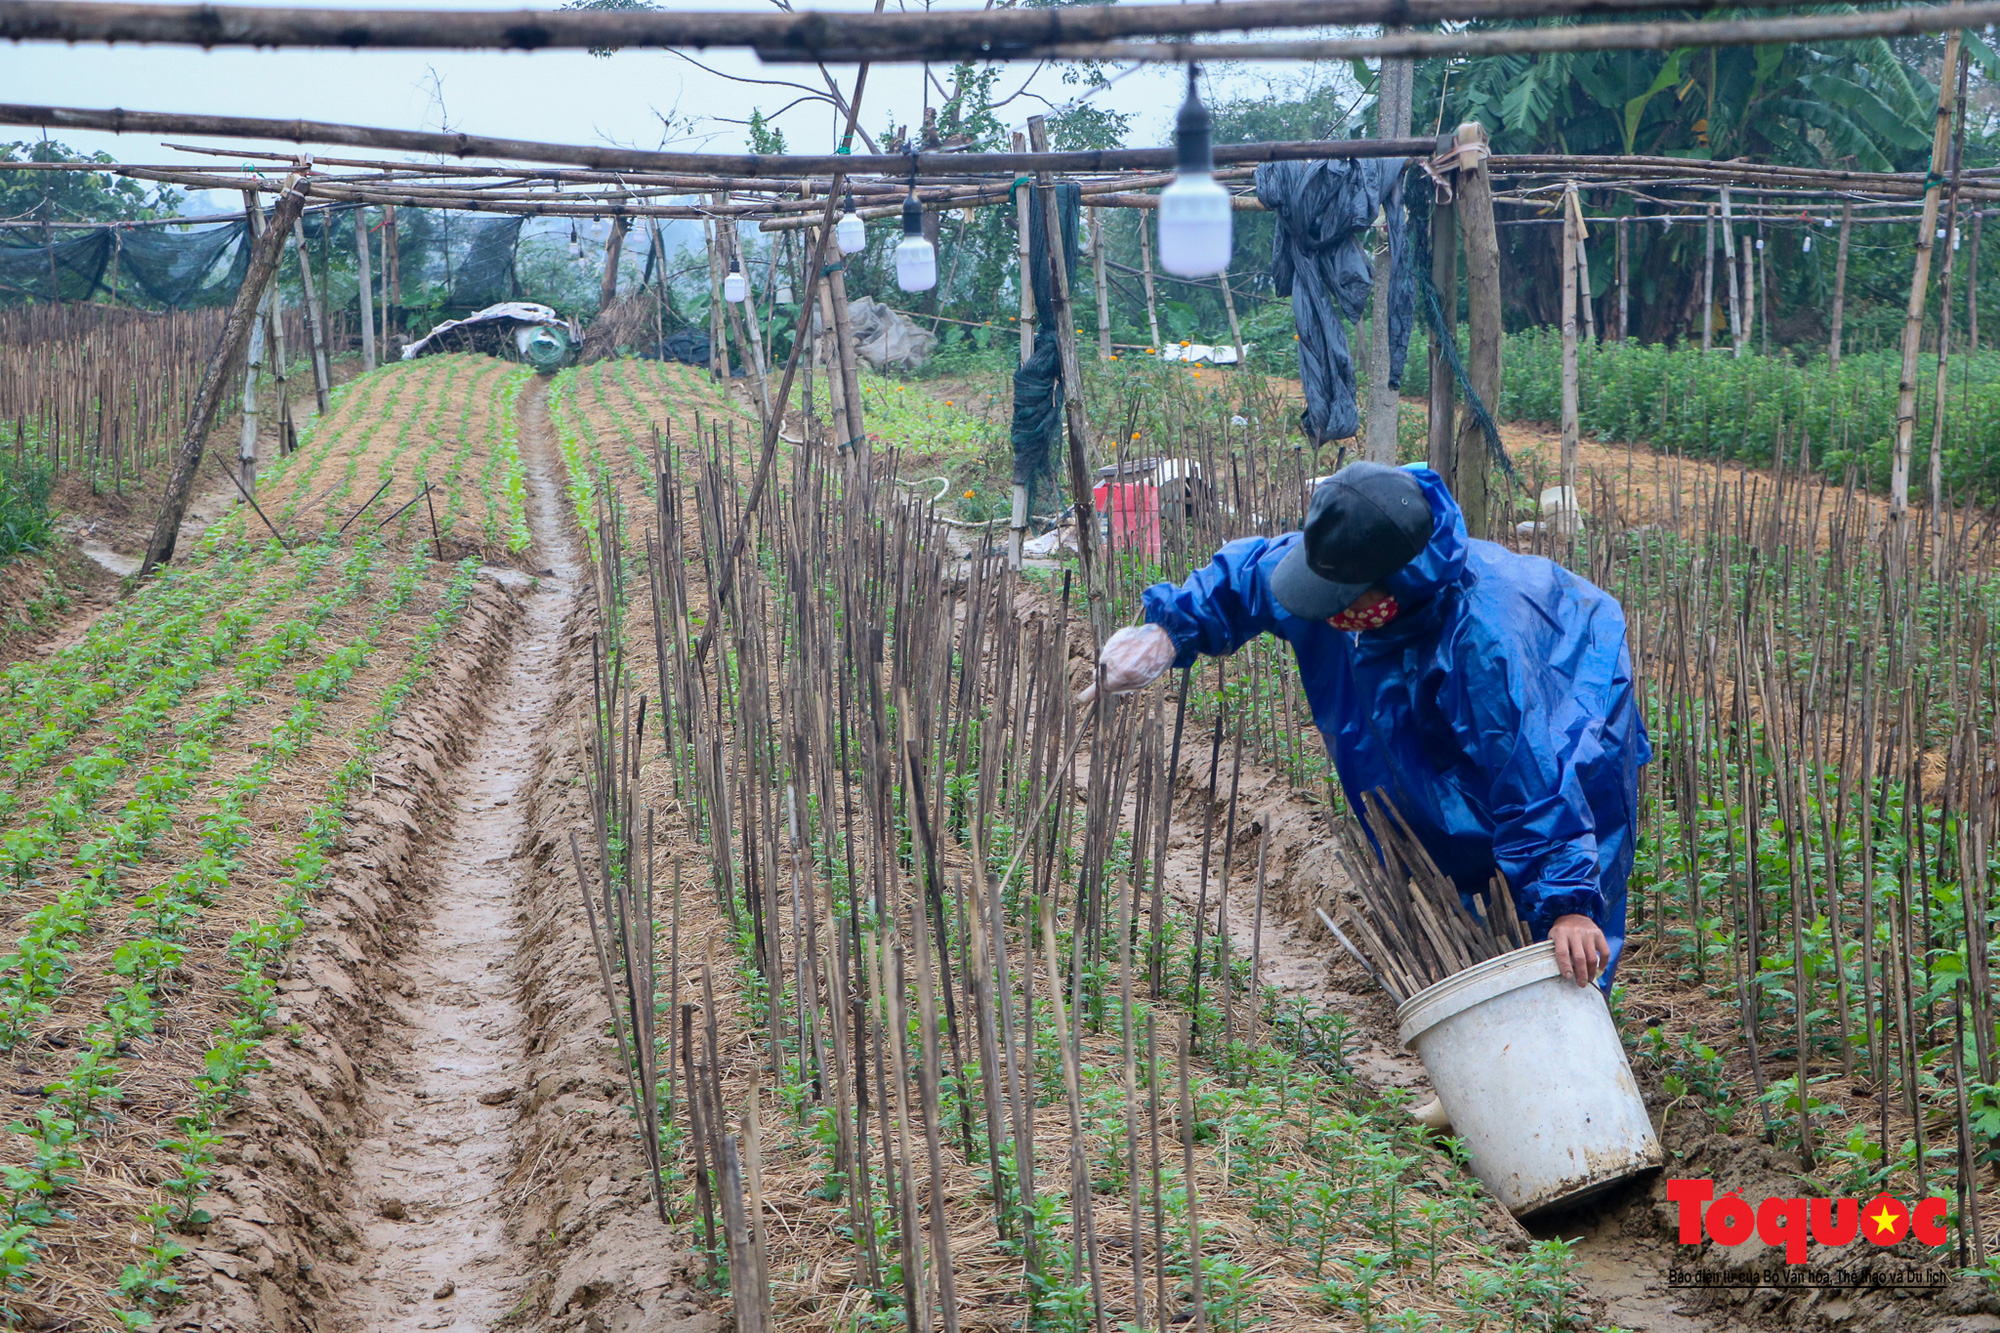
(628, 99)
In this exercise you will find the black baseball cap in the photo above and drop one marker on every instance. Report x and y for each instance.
(1364, 523)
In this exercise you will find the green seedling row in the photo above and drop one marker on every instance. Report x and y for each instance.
(52, 703)
(78, 1102)
(85, 779)
(233, 1054)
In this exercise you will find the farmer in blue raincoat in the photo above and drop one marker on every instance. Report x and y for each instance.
(1488, 693)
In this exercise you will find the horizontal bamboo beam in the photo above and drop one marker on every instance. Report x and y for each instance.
(1809, 29)
(930, 35)
(119, 121)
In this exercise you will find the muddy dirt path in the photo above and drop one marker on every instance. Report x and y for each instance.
(442, 1091)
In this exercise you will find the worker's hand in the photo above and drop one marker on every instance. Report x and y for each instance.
(1581, 949)
(1132, 657)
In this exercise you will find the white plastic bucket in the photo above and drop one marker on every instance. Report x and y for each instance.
(1531, 1071)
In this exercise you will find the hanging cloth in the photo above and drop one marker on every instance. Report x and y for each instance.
(1038, 400)
(1322, 210)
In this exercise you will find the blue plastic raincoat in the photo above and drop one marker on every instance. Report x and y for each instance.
(1496, 710)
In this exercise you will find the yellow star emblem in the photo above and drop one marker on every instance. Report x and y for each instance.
(1885, 1221)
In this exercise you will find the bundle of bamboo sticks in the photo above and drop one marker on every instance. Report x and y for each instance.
(1414, 929)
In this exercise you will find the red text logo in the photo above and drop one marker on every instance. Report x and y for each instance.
(1795, 1223)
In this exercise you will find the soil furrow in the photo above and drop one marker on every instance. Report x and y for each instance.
(425, 1189)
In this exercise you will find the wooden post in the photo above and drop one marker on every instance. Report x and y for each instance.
(235, 332)
(1571, 246)
(1482, 290)
(365, 280)
(1146, 276)
(315, 318)
(1097, 277)
(614, 250)
(1840, 285)
(1708, 282)
(1624, 282)
(1736, 330)
(253, 360)
(1442, 444)
(1913, 319)
(1072, 378)
(1236, 329)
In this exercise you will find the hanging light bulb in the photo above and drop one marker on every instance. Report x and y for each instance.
(851, 232)
(575, 246)
(1826, 221)
(733, 287)
(1807, 247)
(1195, 222)
(916, 258)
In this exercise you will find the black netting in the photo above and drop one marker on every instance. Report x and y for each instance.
(1038, 401)
(157, 266)
(449, 262)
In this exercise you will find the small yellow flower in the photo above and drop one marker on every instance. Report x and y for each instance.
(968, 495)
(1135, 434)
(1184, 342)
(1149, 351)
(947, 402)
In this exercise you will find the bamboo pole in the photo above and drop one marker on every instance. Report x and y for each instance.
(614, 250)
(1072, 374)
(458, 146)
(365, 281)
(1146, 277)
(1840, 284)
(1737, 333)
(315, 319)
(1913, 319)
(1572, 240)
(1585, 307)
(235, 332)
(1938, 396)
(718, 337)
(793, 36)
(1708, 282)
(1103, 292)
(253, 362)
(1972, 287)
(1624, 281)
